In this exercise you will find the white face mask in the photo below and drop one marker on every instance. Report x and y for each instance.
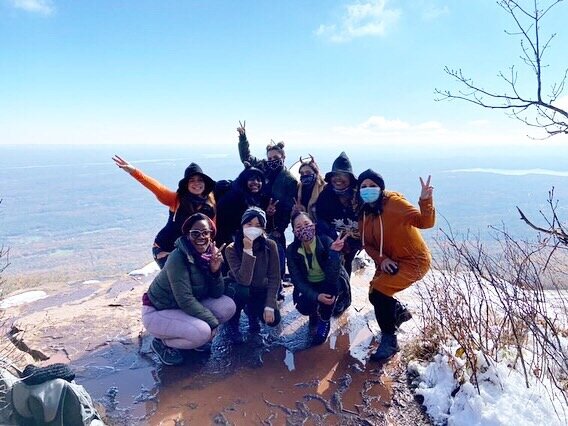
(252, 233)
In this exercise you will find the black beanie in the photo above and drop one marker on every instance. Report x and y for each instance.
(374, 176)
(253, 212)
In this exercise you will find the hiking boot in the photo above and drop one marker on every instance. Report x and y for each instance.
(401, 314)
(322, 332)
(234, 331)
(167, 355)
(387, 348)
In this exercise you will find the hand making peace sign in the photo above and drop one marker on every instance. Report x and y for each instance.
(426, 189)
(241, 128)
(338, 244)
(123, 164)
(271, 209)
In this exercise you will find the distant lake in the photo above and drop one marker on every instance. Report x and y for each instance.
(68, 213)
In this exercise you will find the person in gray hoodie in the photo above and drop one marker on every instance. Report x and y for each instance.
(185, 304)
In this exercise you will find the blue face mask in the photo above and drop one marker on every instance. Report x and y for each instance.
(370, 194)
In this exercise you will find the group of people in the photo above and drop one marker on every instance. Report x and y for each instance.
(223, 249)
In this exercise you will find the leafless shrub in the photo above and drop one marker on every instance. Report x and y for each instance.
(508, 305)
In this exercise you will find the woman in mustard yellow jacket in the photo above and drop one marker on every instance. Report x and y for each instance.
(389, 228)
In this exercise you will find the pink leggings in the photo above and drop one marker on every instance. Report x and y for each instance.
(180, 330)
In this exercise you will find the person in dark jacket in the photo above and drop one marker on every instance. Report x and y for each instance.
(335, 208)
(321, 283)
(185, 304)
(311, 185)
(254, 274)
(194, 194)
(246, 191)
(280, 188)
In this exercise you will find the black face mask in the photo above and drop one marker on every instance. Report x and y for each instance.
(275, 164)
(308, 180)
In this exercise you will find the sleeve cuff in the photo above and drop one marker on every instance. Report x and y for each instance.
(248, 251)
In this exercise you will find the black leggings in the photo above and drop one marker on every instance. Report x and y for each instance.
(252, 300)
(384, 311)
(308, 306)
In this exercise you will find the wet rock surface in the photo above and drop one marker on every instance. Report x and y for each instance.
(275, 377)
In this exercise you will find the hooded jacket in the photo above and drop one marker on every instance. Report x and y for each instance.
(178, 213)
(234, 203)
(395, 234)
(182, 285)
(282, 187)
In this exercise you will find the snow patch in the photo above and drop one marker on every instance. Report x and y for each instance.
(150, 268)
(22, 298)
(91, 282)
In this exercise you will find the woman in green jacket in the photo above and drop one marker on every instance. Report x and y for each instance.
(185, 305)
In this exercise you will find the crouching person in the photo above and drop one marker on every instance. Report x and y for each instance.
(185, 304)
(254, 274)
(321, 283)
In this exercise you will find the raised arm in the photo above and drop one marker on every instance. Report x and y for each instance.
(162, 192)
(244, 148)
(241, 268)
(426, 216)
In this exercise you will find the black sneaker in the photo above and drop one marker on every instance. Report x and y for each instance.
(401, 314)
(168, 356)
(322, 332)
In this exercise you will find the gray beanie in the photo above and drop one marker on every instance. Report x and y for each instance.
(253, 212)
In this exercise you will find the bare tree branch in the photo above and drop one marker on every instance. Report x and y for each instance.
(538, 110)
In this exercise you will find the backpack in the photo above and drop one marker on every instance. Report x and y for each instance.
(54, 402)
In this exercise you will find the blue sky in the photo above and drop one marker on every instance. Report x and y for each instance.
(310, 73)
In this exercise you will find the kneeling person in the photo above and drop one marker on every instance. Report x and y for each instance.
(254, 274)
(185, 304)
(321, 283)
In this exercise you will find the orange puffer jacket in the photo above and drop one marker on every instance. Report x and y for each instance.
(395, 234)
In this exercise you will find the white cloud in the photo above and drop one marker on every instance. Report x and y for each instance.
(44, 7)
(379, 130)
(562, 103)
(361, 19)
(434, 12)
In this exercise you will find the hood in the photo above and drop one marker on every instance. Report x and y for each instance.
(341, 164)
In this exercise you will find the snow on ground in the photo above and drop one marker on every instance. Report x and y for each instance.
(503, 398)
(22, 298)
(150, 268)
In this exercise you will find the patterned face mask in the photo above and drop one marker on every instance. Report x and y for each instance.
(306, 233)
(275, 164)
(308, 179)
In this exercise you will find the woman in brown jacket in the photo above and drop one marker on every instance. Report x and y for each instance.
(254, 274)
(389, 227)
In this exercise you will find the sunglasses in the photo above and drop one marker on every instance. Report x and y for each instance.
(194, 234)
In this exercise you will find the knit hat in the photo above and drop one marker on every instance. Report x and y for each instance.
(374, 176)
(186, 227)
(192, 170)
(341, 165)
(253, 212)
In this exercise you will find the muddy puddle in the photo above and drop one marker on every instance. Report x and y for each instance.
(276, 377)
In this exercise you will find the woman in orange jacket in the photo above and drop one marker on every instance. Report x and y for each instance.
(389, 228)
(194, 195)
